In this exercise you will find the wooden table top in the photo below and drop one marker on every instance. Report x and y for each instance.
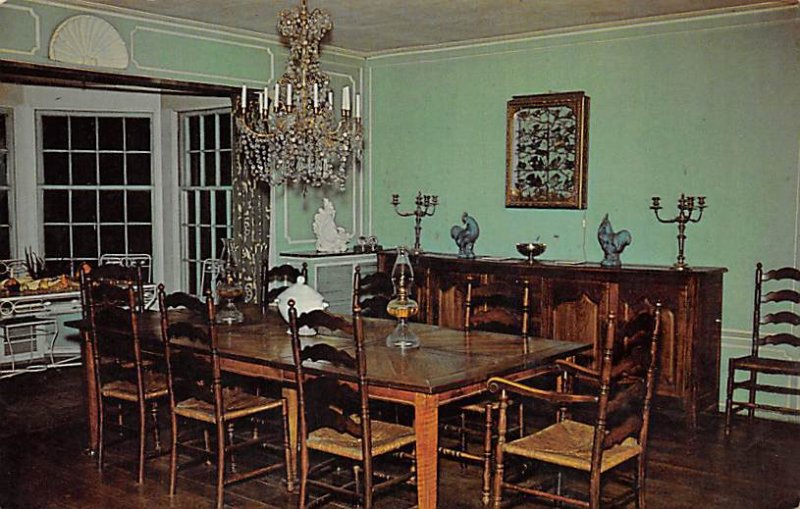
(446, 359)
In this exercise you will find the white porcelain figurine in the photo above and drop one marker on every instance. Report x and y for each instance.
(330, 238)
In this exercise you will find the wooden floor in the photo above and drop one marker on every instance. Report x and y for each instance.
(43, 464)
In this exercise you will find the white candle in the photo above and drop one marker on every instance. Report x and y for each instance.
(316, 95)
(330, 99)
(244, 98)
(261, 103)
(266, 99)
(277, 94)
(289, 94)
(358, 106)
(346, 99)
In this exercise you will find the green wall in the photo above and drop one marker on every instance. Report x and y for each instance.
(706, 107)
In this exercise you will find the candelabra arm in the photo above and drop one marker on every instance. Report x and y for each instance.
(404, 214)
(661, 219)
(699, 216)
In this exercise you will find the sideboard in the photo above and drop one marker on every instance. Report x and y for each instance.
(570, 301)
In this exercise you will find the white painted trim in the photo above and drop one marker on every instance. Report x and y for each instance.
(38, 29)
(595, 28)
(135, 62)
(171, 21)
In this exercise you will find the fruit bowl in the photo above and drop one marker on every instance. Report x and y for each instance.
(531, 249)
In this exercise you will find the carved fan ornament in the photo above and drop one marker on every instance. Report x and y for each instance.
(88, 40)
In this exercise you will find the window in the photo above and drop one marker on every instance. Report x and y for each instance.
(95, 186)
(5, 189)
(205, 185)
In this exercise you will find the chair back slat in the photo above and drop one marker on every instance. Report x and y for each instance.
(372, 293)
(783, 338)
(497, 306)
(782, 296)
(184, 300)
(275, 280)
(326, 353)
(781, 317)
(321, 318)
(782, 273)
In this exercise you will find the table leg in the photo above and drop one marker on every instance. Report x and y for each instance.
(426, 428)
(91, 392)
(290, 394)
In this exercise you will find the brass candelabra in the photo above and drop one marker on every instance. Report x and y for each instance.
(425, 207)
(686, 209)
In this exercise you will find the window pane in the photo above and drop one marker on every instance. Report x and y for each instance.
(194, 133)
(211, 168)
(84, 206)
(190, 204)
(112, 239)
(205, 207)
(5, 242)
(112, 169)
(112, 208)
(84, 169)
(56, 168)
(205, 243)
(83, 133)
(222, 206)
(225, 131)
(139, 210)
(56, 242)
(54, 133)
(3, 166)
(209, 132)
(4, 207)
(138, 169)
(225, 168)
(56, 206)
(137, 134)
(222, 233)
(191, 241)
(110, 133)
(140, 239)
(85, 241)
(3, 142)
(194, 169)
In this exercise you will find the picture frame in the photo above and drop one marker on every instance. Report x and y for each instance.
(547, 138)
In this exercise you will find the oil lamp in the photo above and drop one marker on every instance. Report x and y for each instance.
(402, 306)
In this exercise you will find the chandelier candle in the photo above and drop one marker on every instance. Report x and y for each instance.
(294, 136)
(686, 209)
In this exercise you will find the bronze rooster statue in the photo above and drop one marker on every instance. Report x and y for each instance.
(612, 243)
(465, 236)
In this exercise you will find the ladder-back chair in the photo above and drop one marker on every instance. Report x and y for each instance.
(616, 397)
(775, 320)
(126, 373)
(198, 394)
(334, 420)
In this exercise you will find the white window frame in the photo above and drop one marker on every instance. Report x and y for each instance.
(184, 169)
(152, 188)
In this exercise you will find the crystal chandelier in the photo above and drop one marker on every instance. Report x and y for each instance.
(290, 134)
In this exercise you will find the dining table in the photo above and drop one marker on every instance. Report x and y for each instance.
(449, 365)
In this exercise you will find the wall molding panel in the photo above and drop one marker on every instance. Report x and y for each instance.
(145, 39)
(19, 23)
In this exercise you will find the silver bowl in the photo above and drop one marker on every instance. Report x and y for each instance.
(531, 249)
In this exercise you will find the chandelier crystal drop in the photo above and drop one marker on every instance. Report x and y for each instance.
(289, 132)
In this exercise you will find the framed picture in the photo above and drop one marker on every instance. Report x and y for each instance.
(547, 140)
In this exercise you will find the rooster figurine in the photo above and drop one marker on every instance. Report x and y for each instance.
(465, 236)
(612, 243)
